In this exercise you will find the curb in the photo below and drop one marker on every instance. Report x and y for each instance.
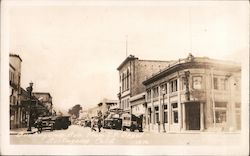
(22, 133)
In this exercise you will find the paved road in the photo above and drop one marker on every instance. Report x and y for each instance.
(83, 136)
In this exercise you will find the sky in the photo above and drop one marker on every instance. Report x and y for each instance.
(72, 51)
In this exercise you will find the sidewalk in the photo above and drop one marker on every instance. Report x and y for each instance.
(22, 131)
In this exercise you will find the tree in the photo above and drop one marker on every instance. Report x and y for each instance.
(75, 110)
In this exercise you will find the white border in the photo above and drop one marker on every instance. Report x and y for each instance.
(6, 148)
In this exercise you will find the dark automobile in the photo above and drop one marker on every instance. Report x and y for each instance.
(46, 123)
(61, 122)
(87, 123)
(113, 123)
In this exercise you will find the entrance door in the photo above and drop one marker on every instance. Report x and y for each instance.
(192, 116)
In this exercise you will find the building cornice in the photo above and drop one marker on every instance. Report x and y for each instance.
(195, 62)
(129, 58)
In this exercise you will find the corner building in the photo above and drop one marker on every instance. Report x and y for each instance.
(195, 93)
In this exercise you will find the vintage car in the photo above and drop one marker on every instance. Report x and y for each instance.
(132, 122)
(61, 122)
(46, 123)
(113, 122)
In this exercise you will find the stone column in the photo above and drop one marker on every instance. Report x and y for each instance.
(160, 109)
(169, 106)
(179, 103)
(183, 117)
(152, 110)
(201, 116)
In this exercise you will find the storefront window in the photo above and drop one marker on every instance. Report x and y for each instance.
(157, 117)
(221, 116)
(165, 117)
(175, 117)
(174, 113)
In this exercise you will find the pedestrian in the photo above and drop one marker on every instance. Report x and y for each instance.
(39, 125)
(93, 124)
(99, 124)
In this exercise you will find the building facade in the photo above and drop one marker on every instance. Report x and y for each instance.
(132, 72)
(195, 93)
(46, 99)
(15, 90)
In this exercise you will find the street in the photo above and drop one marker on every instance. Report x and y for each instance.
(77, 135)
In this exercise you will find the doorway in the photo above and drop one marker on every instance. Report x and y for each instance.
(192, 111)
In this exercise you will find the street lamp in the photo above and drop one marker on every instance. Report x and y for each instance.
(163, 94)
(29, 90)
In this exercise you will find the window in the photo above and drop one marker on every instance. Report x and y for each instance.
(155, 92)
(220, 112)
(128, 78)
(149, 95)
(221, 116)
(149, 114)
(223, 84)
(197, 82)
(173, 86)
(157, 117)
(157, 114)
(215, 82)
(165, 117)
(174, 113)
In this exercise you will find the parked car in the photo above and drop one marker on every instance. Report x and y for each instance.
(132, 122)
(61, 122)
(46, 123)
(113, 123)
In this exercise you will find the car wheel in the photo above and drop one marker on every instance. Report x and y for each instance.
(124, 128)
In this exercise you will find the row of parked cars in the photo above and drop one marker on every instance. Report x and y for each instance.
(53, 122)
(123, 122)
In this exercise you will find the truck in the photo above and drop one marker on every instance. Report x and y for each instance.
(132, 122)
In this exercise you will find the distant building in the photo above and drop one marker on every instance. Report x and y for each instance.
(15, 90)
(46, 99)
(105, 105)
(132, 72)
(199, 94)
(102, 108)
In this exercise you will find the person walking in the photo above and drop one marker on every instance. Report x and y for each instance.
(93, 124)
(39, 125)
(99, 124)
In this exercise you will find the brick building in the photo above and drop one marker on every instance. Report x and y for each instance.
(195, 93)
(132, 72)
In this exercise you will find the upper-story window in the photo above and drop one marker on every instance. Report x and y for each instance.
(197, 82)
(125, 80)
(149, 95)
(173, 86)
(155, 92)
(219, 83)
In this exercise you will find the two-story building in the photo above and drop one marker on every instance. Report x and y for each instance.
(15, 89)
(195, 93)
